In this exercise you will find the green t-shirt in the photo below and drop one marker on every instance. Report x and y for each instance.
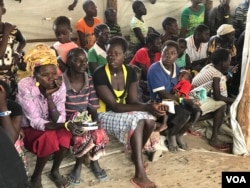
(190, 19)
(97, 55)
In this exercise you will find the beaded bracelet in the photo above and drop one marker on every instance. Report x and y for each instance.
(66, 125)
(6, 113)
(181, 100)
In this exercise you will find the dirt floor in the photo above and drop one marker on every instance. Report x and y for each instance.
(200, 167)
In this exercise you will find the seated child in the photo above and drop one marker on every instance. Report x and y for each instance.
(111, 21)
(182, 89)
(183, 60)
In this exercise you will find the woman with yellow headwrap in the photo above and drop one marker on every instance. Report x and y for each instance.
(42, 97)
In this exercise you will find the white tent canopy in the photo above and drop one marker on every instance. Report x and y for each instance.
(35, 18)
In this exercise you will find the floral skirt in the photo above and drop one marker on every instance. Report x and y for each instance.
(91, 142)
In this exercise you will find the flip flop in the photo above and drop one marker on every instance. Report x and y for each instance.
(194, 133)
(59, 182)
(221, 147)
(142, 185)
(73, 180)
(99, 174)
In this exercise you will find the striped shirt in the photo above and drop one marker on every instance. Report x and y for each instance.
(80, 101)
(205, 79)
(241, 13)
(115, 30)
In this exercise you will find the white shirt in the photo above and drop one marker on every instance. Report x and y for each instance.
(194, 53)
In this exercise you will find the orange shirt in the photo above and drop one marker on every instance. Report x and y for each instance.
(88, 31)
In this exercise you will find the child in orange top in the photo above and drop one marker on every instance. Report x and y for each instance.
(85, 26)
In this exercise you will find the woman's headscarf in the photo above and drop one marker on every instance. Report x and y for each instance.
(39, 55)
(225, 29)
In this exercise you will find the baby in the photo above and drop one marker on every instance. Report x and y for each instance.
(184, 85)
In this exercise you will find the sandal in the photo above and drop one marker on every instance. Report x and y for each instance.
(59, 181)
(99, 174)
(76, 131)
(73, 180)
(194, 133)
(221, 147)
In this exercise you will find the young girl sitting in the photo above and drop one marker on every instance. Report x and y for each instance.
(81, 99)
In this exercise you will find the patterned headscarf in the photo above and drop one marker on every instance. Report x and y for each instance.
(39, 55)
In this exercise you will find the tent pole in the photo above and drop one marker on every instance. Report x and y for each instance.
(112, 4)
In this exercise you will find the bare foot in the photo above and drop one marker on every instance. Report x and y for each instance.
(142, 183)
(58, 179)
(181, 143)
(35, 183)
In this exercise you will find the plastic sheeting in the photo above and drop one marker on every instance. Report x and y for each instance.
(35, 18)
(239, 144)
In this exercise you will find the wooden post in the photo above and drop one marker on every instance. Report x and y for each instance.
(208, 5)
(112, 4)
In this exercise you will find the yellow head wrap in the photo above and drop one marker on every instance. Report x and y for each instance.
(39, 55)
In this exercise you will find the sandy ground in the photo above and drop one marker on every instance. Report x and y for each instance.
(200, 167)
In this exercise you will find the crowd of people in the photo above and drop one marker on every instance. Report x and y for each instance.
(124, 88)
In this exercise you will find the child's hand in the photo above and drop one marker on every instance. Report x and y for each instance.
(156, 109)
(235, 69)
(164, 107)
